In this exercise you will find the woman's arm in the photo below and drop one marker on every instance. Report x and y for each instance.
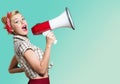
(40, 67)
(13, 68)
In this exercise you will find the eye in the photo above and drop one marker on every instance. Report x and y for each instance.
(23, 18)
(16, 21)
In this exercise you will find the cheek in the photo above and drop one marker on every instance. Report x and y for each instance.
(16, 26)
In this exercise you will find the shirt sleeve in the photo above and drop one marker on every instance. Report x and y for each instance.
(23, 47)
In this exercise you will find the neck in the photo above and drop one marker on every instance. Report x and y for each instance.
(21, 35)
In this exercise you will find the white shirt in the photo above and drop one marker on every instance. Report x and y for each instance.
(21, 44)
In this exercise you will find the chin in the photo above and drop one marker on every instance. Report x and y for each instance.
(24, 34)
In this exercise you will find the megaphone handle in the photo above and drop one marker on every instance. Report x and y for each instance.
(55, 42)
(45, 34)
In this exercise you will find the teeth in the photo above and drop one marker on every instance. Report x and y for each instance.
(24, 27)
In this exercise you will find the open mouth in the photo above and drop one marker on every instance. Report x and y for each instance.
(24, 28)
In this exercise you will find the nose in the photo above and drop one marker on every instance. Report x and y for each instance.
(22, 22)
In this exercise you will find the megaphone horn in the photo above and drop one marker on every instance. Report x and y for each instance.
(63, 20)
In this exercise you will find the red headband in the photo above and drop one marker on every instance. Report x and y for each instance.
(8, 25)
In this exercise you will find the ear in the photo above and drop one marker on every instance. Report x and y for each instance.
(12, 30)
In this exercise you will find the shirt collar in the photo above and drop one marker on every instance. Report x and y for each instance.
(19, 37)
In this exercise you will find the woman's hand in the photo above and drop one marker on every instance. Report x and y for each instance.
(50, 38)
(13, 68)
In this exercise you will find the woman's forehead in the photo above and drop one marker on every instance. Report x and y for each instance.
(16, 16)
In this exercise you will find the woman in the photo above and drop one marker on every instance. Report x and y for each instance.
(33, 61)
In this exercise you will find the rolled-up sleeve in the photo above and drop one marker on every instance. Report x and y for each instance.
(23, 47)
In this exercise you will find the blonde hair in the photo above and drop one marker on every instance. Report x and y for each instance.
(7, 25)
(4, 18)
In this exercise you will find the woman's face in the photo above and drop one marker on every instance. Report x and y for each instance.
(19, 24)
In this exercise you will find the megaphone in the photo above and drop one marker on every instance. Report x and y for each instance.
(62, 21)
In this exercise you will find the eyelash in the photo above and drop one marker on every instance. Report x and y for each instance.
(18, 21)
(23, 18)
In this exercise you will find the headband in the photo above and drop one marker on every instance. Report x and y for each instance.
(8, 25)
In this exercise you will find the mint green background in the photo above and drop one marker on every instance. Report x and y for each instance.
(88, 55)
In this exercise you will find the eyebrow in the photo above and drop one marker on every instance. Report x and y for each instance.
(18, 18)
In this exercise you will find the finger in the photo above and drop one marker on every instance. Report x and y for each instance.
(50, 34)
